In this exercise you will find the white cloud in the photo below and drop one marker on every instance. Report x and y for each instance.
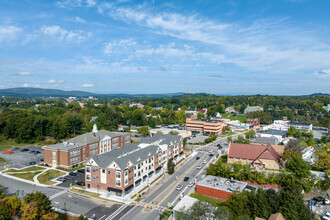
(76, 19)
(8, 32)
(21, 74)
(117, 46)
(59, 33)
(323, 73)
(90, 3)
(87, 85)
(52, 81)
(271, 45)
(26, 85)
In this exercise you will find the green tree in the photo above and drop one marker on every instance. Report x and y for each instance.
(75, 123)
(81, 217)
(144, 131)
(249, 134)
(38, 201)
(2, 193)
(298, 166)
(174, 132)
(5, 210)
(170, 166)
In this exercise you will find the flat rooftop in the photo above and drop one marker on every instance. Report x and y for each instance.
(222, 184)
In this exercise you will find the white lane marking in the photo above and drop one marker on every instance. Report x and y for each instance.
(102, 217)
(115, 213)
(57, 194)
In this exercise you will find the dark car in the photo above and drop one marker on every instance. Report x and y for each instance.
(37, 152)
(32, 163)
(15, 148)
(81, 183)
(42, 159)
(73, 174)
(81, 171)
(24, 150)
(186, 179)
(211, 155)
(197, 158)
(32, 152)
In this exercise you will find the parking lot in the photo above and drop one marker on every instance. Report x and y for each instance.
(19, 159)
(72, 179)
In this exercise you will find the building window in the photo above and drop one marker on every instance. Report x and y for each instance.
(88, 177)
(115, 139)
(88, 169)
(126, 173)
(93, 169)
(54, 155)
(103, 171)
(115, 145)
(118, 183)
(126, 181)
(94, 177)
(117, 174)
(118, 193)
(83, 150)
(109, 172)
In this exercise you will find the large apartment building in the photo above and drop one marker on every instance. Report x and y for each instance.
(75, 151)
(124, 171)
(205, 126)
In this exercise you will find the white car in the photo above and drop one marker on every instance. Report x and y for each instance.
(205, 162)
(210, 151)
(191, 184)
(326, 216)
(199, 167)
(179, 187)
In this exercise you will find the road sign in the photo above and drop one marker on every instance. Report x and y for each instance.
(70, 184)
(168, 205)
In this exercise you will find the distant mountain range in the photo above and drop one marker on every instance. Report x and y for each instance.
(46, 93)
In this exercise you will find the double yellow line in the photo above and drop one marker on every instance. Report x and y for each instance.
(176, 183)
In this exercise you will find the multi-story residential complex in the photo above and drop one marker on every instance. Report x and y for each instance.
(253, 121)
(205, 126)
(301, 126)
(279, 134)
(75, 151)
(124, 171)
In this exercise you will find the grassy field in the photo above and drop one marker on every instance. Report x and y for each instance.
(7, 144)
(33, 168)
(27, 176)
(213, 201)
(83, 192)
(78, 167)
(2, 160)
(241, 118)
(45, 177)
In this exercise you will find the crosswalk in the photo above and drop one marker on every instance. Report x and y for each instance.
(57, 194)
(160, 208)
(115, 213)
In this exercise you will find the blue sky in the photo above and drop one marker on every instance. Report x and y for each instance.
(279, 47)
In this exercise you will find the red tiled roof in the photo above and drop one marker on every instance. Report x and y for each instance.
(202, 111)
(253, 152)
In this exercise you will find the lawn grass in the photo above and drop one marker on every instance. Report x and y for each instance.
(2, 160)
(77, 168)
(213, 201)
(83, 192)
(27, 176)
(45, 177)
(33, 168)
(241, 118)
(8, 144)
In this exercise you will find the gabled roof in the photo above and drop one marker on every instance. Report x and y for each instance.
(159, 139)
(89, 138)
(122, 156)
(253, 152)
(276, 216)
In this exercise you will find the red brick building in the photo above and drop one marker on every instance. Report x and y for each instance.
(132, 167)
(218, 187)
(75, 151)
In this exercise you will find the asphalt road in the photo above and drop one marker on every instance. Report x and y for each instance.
(61, 198)
(167, 192)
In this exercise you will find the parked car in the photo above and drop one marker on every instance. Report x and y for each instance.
(73, 174)
(191, 184)
(186, 179)
(37, 152)
(210, 151)
(80, 183)
(32, 152)
(42, 159)
(15, 148)
(326, 216)
(24, 150)
(197, 158)
(321, 200)
(32, 163)
(179, 187)
(205, 161)
(62, 179)
(81, 171)
(211, 155)
(199, 167)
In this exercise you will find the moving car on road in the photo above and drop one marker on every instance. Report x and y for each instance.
(205, 161)
(191, 184)
(197, 158)
(179, 187)
(186, 179)
(32, 163)
(199, 167)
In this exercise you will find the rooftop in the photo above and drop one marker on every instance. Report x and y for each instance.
(264, 140)
(186, 202)
(275, 132)
(302, 124)
(222, 184)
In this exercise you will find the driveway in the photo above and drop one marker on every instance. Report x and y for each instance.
(72, 180)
